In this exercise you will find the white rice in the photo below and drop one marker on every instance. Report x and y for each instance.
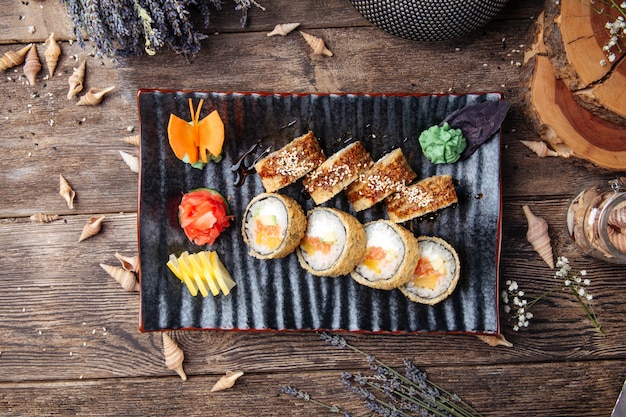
(323, 224)
(269, 206)
(442, 260)
(383, 236)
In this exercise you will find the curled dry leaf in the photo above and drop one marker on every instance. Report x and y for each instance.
(125, 278)
(14, 58)
(44, 218)
(227, 381)
(537, 235)
(174, 356)
(66, 191)
(283, 29)
(92, 228)
(130, 160)
(539, 147)
(32, 66)
(94, 96)
(129, 263)
(317, 44)
(53, 51)
(75, 80)
(494, 340)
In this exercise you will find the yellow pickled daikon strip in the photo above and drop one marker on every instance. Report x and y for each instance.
(222, 275)
(207, 272)
(188, 267)
(174, 266)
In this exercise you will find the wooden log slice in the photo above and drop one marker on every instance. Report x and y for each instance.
(574, 35)
(558, 118)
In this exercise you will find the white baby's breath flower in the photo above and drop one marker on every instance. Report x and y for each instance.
(587, 282)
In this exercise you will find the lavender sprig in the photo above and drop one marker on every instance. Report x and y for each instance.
(411, 391)
(303, 395)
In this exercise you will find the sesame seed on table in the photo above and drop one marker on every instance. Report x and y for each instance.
(69, 338)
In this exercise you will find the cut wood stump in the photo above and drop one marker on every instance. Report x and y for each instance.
(574, 35)
(553, 111)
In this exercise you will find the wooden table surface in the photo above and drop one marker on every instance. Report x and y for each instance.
(69, 339)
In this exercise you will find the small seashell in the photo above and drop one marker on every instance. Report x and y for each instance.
(537, 235)
(14, 58)
(32, 65)
(494, 340)
(131, 160)
(227, 381)
(283, 29)
(75, 80)
(94, 96)
(53, 51)
(92, 228)
(66, 191)
(539, 147)
(125, 278)
(129, 263)
(617, 238)
(134, 140)
(44, 218)
(317, 44)
(617, 217)
(174, 356)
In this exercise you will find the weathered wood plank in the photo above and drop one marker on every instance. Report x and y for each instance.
(573, 388)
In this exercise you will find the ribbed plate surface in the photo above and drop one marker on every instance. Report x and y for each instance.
(278, 294)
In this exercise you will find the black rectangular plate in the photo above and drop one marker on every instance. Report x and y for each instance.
(279, 294)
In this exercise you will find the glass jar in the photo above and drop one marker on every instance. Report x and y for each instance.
(596, 221)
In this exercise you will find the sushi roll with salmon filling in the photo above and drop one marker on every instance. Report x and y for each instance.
(273, 226)
(437, 272)
(391, 256)
(333, 243)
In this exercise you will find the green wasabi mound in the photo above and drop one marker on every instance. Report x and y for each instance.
(442, 144)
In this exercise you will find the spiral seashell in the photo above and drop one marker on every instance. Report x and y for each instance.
(92, 228)
(134, 140)
(129, 263)
(227, 381)
(43, 218)
(494, 340)
(539, 147)
(75, 80)
(131, 160)
(617, 238)
(537, 235)
(53, 51)
(317, 44)
(14, 58)
(66, 191)
(174, 356)
(125, 278)
(617, 217)
(94, 96)
(283, 29)
(32, 65)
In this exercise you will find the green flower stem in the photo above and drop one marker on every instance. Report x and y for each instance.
(588, 311)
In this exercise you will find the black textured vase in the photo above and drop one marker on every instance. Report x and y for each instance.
(428, 20)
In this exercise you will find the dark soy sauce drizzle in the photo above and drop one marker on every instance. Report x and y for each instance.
(242, 168)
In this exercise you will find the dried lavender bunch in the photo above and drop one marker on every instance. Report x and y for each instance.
(303, 395)
(391, 393)
(121, 28)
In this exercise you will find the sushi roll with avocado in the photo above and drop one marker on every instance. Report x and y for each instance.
(273, 225)
(333, 243)
(436, 274)
(390, 258)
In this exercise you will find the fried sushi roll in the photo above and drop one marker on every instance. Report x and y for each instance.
(391, 256)
(423, 197)
(337, 172)
(290, 163)
(273, 226)
(388, 175)
(437, 272)
(333, 244)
